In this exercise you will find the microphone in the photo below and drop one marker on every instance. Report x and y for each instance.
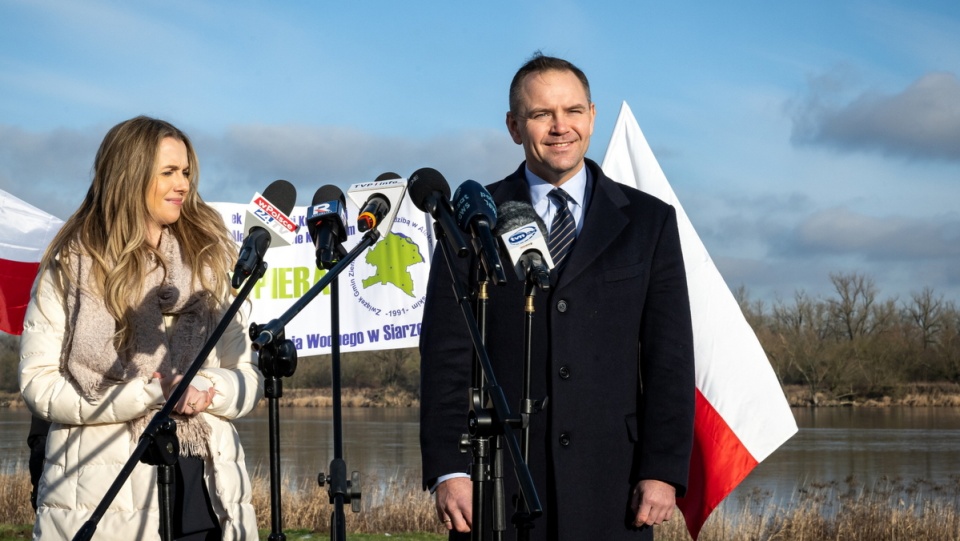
(378, 201)
(325, 222)
(430, 192)
(521, 231)
(266, 220)
(477, 213)
(389, 175)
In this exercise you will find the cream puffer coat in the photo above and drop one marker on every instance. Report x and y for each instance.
(89, 442)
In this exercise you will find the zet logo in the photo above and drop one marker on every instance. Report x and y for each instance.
(390, 279)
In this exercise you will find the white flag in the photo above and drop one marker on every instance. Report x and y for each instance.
(742, 415)
(24, 236)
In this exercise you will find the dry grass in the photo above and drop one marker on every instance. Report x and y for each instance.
(887, 510)
(15, 498)
(387, 505)
(391, 505)
(913, 394)
(389, 397)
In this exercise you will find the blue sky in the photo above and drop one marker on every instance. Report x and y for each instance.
(802, 138)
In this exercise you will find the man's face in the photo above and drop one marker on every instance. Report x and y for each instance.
(554, 122)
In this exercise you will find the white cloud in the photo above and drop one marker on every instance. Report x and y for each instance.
(922, 121)
(889, 238)
(51, 170)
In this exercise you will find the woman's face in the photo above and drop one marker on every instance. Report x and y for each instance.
(168, 188)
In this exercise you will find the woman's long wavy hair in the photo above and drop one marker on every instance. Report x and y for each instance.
(111, 224)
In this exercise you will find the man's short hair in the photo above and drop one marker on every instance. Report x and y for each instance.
(540, 63)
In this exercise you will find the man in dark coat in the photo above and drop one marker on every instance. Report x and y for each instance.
(612, 342)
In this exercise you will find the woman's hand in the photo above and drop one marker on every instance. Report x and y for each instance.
(193, 400)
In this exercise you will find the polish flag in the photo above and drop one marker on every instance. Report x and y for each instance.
(742, 415)
(25, 232)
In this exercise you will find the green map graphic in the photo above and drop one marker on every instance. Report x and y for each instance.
(392, 257)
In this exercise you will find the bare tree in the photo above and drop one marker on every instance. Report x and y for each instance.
(391, 366)
(851, 311)
(801, 330)
(926, 313)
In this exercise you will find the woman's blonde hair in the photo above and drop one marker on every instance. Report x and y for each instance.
(111, 224)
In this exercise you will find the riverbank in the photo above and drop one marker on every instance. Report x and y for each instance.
(915, 395)
(307, 398)
(820, 511)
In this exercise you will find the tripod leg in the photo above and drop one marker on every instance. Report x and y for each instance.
(165, 489)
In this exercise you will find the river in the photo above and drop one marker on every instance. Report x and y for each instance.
(833, 444)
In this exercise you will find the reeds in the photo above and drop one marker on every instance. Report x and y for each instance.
(388, 505)
(15, 497)
(885, 510)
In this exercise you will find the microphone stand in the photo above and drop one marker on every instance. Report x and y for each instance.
(479, 441)
(340, 490)
(486, 446)
(499, 419)
(158, 445)
(528, 406)
(270, 338)
(277, 360)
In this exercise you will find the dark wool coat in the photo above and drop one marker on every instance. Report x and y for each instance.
(612, 349)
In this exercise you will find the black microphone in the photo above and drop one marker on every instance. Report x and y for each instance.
(378, 209)
(522, 232)
(430, 192)
(267, 219)
(325, 222)
(476, 213)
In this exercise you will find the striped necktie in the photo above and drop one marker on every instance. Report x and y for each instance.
(563, 230)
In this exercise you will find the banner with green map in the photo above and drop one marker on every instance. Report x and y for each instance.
(381, 292)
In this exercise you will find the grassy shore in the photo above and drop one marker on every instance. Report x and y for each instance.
(888, 510)
(390, 397)
(918, 395)
(394, 506)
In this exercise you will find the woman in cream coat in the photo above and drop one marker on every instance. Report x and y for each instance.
(128, 292)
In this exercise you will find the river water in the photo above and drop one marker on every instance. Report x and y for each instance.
(833, 444)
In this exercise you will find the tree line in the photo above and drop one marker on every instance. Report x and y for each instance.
(854, 344)
(398, 368)
(848, 344)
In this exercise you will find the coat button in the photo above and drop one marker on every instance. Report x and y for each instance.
(564, 372)
(562, 306)
(564, 439)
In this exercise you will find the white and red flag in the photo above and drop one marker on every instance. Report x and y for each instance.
(25, 232)
(742, 415)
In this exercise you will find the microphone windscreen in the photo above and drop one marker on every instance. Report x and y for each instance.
(328, 193)
(389, 175)
(513, 214)
(425, 182)
(325, 194)
(282, 195)
(472, 200)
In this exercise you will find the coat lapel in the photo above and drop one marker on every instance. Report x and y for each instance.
(512, 188)
(603, 222)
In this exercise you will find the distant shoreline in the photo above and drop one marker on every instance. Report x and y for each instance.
(926, 395)
(915, 395)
